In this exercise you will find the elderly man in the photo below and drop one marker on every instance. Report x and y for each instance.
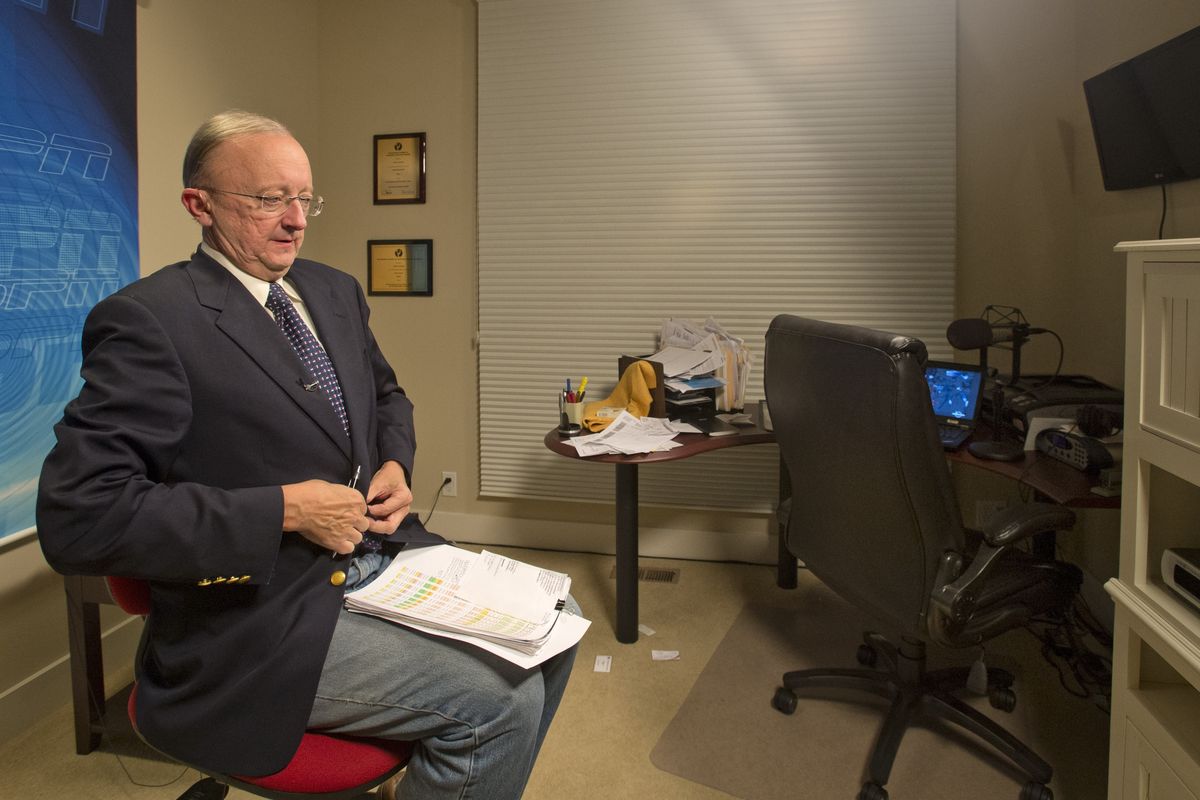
(241, 443)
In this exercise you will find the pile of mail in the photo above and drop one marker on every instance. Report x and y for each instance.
(629, 434)
(702, 362)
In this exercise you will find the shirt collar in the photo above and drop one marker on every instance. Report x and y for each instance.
(257, 287)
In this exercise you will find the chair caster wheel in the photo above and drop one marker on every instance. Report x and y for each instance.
(1000, 677)
(206, 789)
(872, 791)
(866, 655)
(1036, 791)
(1002, 699)
(784, 700)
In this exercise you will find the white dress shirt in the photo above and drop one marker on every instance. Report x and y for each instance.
(260, 288)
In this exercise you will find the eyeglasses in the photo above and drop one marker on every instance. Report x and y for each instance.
(275, 204)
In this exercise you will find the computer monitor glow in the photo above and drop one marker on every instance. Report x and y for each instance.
(954, 391)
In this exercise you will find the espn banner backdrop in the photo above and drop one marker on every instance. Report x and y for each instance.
(68, 212)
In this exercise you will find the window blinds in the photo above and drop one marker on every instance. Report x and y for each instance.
(640, 160)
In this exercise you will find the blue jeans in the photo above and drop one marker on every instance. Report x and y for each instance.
(480, 720)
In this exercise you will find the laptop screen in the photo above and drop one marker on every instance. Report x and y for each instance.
(954, 390)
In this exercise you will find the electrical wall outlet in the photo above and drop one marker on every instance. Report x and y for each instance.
(450, 484)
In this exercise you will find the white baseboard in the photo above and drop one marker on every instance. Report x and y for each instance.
(755, 547)
(46, 691)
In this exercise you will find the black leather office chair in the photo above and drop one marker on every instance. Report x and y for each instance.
(874, 516)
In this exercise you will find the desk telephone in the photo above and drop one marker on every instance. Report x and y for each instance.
(1082, 452)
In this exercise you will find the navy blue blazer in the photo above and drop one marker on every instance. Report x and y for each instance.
(168, 467)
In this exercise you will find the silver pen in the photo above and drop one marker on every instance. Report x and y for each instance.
(353, 482)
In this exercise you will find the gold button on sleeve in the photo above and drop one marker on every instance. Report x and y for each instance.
(337, 578)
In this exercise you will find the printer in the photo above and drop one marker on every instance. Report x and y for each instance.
(1048, 396)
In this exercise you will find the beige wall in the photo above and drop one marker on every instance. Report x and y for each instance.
(195, 59)
(1036, 227)
(412, 69)
(1035, 230)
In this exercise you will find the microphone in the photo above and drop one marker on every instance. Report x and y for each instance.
(975, 332)
(971, 333)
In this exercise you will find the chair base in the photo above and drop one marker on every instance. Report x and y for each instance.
(214, 789)
(914, 691)
(206, 789)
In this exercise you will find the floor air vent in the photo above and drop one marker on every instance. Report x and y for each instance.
(653, 574)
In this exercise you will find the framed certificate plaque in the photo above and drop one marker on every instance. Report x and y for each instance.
(399, 168)
(400, 267)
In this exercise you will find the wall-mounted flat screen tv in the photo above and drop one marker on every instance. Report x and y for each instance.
(1146, 116)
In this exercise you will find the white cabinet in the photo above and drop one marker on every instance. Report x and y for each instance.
(1147, 775)
(1155, 739)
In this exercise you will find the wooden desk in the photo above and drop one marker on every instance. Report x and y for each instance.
(1050, 478)
(627, 504)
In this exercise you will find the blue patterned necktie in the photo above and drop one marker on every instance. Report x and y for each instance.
(319, 367)
(315, 360)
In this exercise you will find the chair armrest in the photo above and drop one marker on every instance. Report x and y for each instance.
(957, 589)
(1017, 523)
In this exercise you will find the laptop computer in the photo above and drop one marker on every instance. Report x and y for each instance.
(954, 390)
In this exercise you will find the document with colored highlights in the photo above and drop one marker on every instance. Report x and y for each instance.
(507, 607)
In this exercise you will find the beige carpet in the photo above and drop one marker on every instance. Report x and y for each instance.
(727, 735)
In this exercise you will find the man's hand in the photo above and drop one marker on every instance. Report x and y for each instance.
(327, 514)
(388, 498)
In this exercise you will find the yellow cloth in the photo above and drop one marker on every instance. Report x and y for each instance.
(631, 394)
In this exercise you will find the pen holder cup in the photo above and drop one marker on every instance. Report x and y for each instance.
(574, 412)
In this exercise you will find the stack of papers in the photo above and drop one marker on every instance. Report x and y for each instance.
(723, 357)
(699, 383)
(686, 362)
(628, 435)
(504, 606)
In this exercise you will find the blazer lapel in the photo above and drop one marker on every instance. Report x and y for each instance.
(250, 326)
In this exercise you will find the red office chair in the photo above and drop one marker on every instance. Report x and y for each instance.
(325, 766)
